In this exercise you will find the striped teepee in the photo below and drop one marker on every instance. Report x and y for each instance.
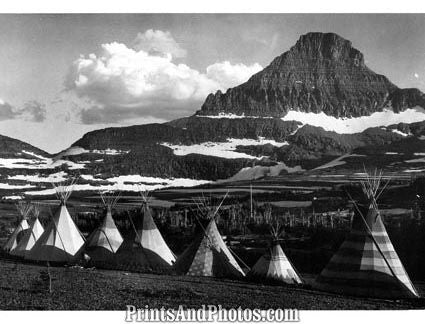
(24, 208)
(366, 264)
(145, 248)
(61, 241)
(31, 235)
(275, 265)
(208, 255)
(105, 240)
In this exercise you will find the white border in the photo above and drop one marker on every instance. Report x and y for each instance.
(216, 6)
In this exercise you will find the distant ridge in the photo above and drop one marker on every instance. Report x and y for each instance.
(10, 147)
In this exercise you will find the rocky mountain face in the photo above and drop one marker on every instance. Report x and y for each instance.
(219, 129)
(321, 73)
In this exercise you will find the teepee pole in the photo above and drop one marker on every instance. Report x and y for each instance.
(251, 212)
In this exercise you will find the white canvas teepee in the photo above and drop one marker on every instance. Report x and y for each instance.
(105, 240)
(366, 264)
(146, 248)
(208, 255)
(275, 265)
(61, 240)
(24, 208)
(31, 235)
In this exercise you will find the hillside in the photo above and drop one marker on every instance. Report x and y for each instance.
(10, 147)
(93, 289)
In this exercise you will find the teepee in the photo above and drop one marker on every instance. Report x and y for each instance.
(61, 240)
(366, 264)
(145, 248)
(32, 234)
(24, 209)
(208, 255)
(105, 240)
(275, 265)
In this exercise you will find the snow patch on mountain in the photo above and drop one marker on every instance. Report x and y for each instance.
(77, 150)
(230, 116)
(259, 171)
(18, 163)
(225, 150)
(73, 150)
(109, 151)
(359, 124)
(55, 177)
(38, 162)
(137, 179)
(400, 133)
(414, 170)
(118, 184)
(7, 186)
(11, 198)
(420, 160)
(35, 155)
(337, 161)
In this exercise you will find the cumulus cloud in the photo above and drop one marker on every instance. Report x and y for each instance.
(416, 75)
(135, 80)
(228, 75)
(32, 111)
(122, 82)
(158, 42)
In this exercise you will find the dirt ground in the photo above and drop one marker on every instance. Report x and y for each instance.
(73, 288)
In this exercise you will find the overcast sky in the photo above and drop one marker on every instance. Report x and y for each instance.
(64, 75)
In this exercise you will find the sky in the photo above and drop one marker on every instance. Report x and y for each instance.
(62, 75)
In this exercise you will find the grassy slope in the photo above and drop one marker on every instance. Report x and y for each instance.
(91, 289)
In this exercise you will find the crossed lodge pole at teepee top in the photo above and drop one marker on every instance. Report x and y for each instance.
(201, 204)
(370, 189)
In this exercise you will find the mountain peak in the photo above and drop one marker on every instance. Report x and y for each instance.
(322, 72)
(327, 46)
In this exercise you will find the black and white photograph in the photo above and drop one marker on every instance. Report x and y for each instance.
(197, 167)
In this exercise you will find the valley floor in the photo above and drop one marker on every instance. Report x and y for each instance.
(74, 288)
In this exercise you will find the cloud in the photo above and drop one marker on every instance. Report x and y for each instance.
(32, 111)
(121, 82)
(416, 76)
(6, 111)
(228, 75)
(158, 42)
(124, 77)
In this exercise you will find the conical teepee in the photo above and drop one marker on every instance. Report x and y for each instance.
(24, 208)
(366, 264)
(208, 255)
(145, 248)
(31, 235)
(275, 265)
(105, 240)
(61, 240)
